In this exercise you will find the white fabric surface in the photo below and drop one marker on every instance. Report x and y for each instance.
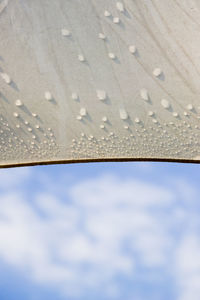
(99, 79)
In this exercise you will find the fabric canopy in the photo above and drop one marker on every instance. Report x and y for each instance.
(90, 80)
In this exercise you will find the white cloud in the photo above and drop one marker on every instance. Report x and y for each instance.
(10, 178)
(187, 260)
(104, 227)
(110, 190)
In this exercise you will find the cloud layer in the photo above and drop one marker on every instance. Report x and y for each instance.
(104, 234)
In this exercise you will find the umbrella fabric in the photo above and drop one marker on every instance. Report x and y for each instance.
(90, 80)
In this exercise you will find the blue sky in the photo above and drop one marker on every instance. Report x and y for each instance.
(100, 231)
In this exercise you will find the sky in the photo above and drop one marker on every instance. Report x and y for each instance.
(104, 231)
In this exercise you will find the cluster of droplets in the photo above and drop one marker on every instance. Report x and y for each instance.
(29, 141)
(142, 143)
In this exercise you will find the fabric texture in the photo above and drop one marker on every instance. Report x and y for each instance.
(99, 79)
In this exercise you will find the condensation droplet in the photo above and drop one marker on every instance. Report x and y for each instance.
(15, 114)
(116, 20)
(18, 102)
(190, 107)
(101, 95)
(48, 96)
(75, 96)
(105, 119)
(6, 78)
(137, 120)
(157, 72)
(83, 112)
(150, 113)
(81, 58)
(175, 114)
(123, 114)
(107, 13)
(102, 36)
(155, 121)
(144, 94)
(165, 103)
(65, 32)
(120, 6)
(112, 55)
(132, 49)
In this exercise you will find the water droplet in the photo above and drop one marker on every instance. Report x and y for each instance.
(116, 20)
(101, 95)
(81, 58)
(112, 55)
(137, 120)
(150, 113)
(65, 32)
(107, 13)
(102, 36)
(154, 121)
(132, 49)
(105, 119)
(190, 107)
(175, 114)
(48, 96)
(6, 78)
(15, 114)
(83, 112)
(74, 96)
(18, 102)
(123, 114)
(157, 72)
(144, 94)
(120, 6)
(165, 103)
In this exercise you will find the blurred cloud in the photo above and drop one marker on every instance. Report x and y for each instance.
(100, 229)
(187, 260)
(10, 178)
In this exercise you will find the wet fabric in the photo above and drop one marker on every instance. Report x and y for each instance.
(99, 80)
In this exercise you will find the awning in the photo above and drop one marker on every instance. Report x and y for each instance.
(98, 80)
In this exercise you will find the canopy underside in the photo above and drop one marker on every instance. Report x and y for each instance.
(90, 80)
